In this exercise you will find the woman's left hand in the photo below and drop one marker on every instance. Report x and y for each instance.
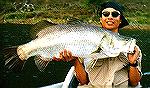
(132, 57)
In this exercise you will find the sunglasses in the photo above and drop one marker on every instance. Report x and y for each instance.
(114, 13)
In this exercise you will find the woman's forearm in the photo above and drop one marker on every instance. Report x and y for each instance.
(80, 72)
(134, 76)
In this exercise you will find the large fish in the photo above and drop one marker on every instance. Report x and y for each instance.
(81, 39)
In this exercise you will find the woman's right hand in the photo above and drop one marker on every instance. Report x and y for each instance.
(64, 55)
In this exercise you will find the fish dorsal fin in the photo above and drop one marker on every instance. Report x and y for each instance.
(40, 25)
(41, 62)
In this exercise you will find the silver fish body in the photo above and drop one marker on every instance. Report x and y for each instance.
(81, 39)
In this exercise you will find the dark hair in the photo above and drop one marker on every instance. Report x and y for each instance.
(118, 7)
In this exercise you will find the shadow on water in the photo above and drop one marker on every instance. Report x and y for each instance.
(30, 76)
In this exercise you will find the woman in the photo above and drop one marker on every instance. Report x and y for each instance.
(108, 72)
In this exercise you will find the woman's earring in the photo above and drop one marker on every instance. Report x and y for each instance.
(120, 21)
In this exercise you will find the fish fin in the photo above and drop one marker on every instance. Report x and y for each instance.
(41, 62)
(75, 21)
(41, 25)
(12, 60)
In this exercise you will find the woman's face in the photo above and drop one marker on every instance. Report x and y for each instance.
(110, 19)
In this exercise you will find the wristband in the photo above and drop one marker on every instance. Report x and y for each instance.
(134, 65)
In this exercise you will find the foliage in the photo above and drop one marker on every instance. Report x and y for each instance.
(93, 5)
(61, 10)
(20, 15)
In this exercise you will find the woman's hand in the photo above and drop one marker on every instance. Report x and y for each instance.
(64, 56)
(134, 74)
(134, 56)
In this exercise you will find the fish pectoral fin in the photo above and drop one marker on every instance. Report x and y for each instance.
(41, 62)
(100, 55)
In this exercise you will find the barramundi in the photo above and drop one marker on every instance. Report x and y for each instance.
(83, 40)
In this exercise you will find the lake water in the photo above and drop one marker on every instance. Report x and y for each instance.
(30, 76)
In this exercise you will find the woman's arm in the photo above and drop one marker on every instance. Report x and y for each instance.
(134, 73)
(79, 69)
(134, 76)
(80, 72)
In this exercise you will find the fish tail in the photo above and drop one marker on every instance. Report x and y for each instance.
(12, 60)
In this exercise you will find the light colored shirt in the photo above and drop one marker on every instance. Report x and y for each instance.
(109, 72)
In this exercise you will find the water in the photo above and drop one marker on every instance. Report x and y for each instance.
(30, 76)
